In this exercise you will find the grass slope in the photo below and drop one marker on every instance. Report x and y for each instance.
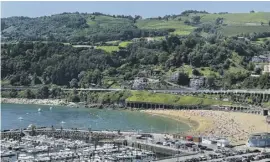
(239, 18)
(235, 30)
(108, 49)
(143, 96)
(179, 26)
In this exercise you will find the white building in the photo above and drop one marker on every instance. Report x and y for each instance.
(139, 83)
(223, 143)
(266, 68)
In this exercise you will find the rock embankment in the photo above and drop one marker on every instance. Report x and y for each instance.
(34, 101)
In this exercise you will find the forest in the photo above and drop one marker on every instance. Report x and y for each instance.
(31, 63)
(40, 50)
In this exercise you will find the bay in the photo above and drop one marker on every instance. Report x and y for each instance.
(14, 116)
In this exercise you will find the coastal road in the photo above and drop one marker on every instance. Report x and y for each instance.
(180, 91)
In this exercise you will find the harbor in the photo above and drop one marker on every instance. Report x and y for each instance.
(58, 144)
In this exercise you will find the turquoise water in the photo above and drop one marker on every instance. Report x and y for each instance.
(15, 116)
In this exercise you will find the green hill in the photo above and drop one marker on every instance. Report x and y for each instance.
(74, 27)
(98, 27)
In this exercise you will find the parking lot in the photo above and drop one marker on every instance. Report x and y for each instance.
(206, 152)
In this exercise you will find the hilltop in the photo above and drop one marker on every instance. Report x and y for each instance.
(98, 27)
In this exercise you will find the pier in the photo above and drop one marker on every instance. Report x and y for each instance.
(244, 109)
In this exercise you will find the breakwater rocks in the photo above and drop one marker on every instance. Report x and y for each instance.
(62, 133)
(53, 102)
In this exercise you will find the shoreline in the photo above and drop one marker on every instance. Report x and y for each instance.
(52, 102)
(195, 124)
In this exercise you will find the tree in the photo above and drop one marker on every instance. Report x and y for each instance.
(75, 98)
(13, 93)
(35, 80)
(252, 11)
(210, 82)
(14, 79)
(227, 63)
(24, 79)
(264, 81)
(187, 22)
(269, 23)
(73, 83)
(219, 21)
(196, 19)
(196, 72)
(258, 71)
(183, 78)
(56, 92)
(29, 94)
(43, 92)
(250, 66)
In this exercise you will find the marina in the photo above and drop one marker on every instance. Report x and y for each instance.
(51, 144)
(21, 146)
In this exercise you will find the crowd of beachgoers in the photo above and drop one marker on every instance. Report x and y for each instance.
(235, 126)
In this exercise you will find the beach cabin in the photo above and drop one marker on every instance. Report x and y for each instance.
(223, 143)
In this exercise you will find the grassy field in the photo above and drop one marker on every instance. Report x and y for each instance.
(239, 18)
(235, 30)
(143, 96)
(124, 43)
(205, 71)
(266, 104)
(262, 40)
(105, 21)
(108, 49)
(179, 26)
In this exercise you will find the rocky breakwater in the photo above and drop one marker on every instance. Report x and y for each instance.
(34, 101)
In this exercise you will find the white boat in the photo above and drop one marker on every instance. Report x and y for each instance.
(39, 109)
(20, 118)
(50, 108)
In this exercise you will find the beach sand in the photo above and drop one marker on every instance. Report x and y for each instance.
(235, 126)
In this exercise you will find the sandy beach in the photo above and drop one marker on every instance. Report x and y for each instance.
(235, 126)
(53, 102)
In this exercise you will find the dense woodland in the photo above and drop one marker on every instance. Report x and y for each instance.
(31, 61)
(75, 27)
(28, 63)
